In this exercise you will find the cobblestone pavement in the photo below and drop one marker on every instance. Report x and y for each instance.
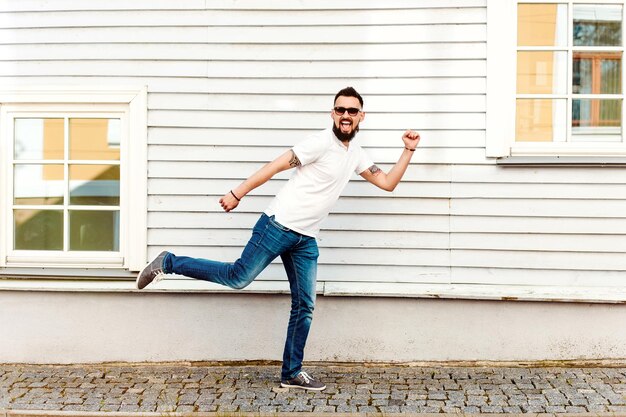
(363, 389)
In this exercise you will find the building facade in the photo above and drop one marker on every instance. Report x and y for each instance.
(122, 124)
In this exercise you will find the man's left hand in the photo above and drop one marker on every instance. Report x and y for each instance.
(411, 139)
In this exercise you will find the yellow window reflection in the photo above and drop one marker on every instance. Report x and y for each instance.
(541, 72)
(541, 24)
(540, 120)
(95, 139)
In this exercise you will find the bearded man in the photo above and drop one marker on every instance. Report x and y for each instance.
(323, 163)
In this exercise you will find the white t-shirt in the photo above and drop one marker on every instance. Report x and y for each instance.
(327, 165)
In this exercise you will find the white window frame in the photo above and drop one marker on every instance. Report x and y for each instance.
(501, 96)
(126, 103)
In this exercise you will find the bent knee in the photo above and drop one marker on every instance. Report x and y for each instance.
(240, 284)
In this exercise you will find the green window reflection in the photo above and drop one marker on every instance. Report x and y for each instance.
(38, 229)
(94, 230)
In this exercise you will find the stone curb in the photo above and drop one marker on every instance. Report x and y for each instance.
(44, 413)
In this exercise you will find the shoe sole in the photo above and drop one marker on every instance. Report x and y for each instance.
(301, 387)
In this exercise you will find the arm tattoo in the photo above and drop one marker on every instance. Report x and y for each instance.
(374, 170)
(294, 162)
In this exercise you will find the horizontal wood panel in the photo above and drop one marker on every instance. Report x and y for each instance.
(285, 120)
(234, 170)
(409, 187)
(262, 154)
(539, 242)
(242, 52)
(104, 68)
(539, 260)
(353, 189)
(302, 103)
(288, 137)
(386, 273)
(182, 18)
(196, 34)
(539, 208)
(260, 69)
(46, 5)
(312, 86)
(536, 277)
(350, 34)
(382, 84)
(409, 67)
(330, 239)
(337, 256)
(538, 174)
(539, 191)
(363, 34)
(335, 222)
(527, 224)
(346, 205)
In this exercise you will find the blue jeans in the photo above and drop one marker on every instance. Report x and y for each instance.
(269, 240)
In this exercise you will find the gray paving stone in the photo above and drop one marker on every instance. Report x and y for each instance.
(344, 408)
(350, 389)
(512, 410)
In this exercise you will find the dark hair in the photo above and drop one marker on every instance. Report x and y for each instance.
(349, 92)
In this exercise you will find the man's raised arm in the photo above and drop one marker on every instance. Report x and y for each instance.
(389, 181)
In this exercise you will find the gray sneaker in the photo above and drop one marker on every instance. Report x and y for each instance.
(303, 381)
(153, 272)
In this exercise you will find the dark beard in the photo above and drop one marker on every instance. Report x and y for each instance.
(344, 137)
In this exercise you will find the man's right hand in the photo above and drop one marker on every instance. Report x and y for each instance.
(228, 202)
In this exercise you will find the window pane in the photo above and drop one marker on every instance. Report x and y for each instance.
(597, 73)
(38, 139)
(541, 24)
(596, 120)
(94, 230)
(38, 184)
(38, 229)
(596, 112)
(540, 120)
(597, 25)
(95, 185)
(97, 139)
(541, 72)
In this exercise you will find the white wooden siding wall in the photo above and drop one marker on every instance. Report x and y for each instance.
(232, 84)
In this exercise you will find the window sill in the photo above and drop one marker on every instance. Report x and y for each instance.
(589, 161)
(59, 274)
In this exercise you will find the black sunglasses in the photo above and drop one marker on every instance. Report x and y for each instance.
(352, 111)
